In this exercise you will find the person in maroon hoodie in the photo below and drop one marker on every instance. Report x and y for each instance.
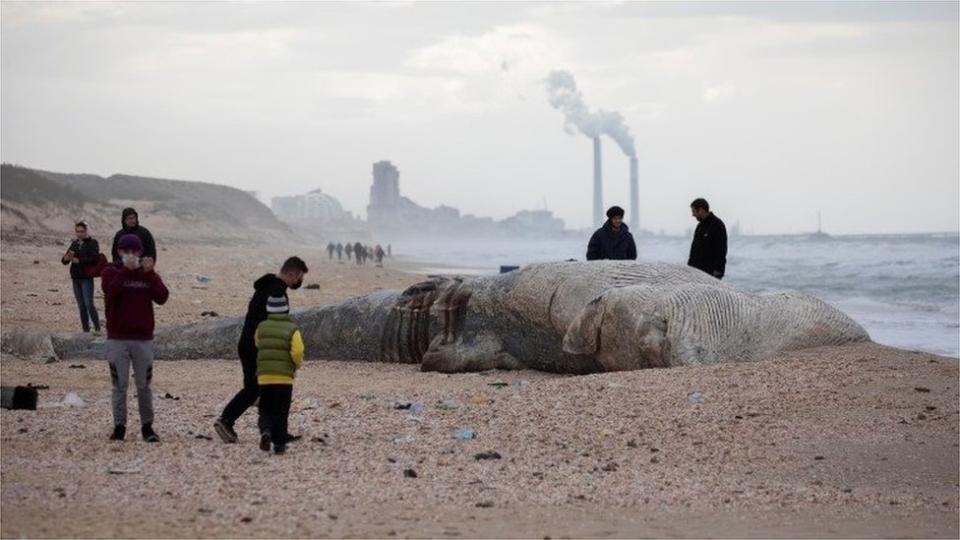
(130, 287)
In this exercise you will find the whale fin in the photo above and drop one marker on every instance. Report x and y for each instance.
(583, 334)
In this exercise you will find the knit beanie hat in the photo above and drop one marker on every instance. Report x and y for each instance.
(277, 304)
(129, 242)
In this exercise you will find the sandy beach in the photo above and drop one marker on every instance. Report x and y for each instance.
(856, 441)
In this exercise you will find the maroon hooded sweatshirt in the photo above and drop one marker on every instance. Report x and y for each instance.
(128, 298)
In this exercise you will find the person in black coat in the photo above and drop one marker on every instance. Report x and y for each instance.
(289, 277)
(708, 252)
(83, 253)
(130, 224)
(358, 252)
(613, 240)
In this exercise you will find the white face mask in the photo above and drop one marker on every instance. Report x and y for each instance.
(131, 257)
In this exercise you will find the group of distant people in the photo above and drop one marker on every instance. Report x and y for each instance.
(708, 251)
(359, 252)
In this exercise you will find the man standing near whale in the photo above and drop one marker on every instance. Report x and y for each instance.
(269, 285)
(130, 224)
(708, 252)
(130, 288)
(613, 240)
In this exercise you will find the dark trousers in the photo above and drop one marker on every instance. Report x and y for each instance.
(83, 292)
(274, 410)
(248, 395)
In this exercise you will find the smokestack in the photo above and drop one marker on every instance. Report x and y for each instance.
(634, 196)
(597, 185)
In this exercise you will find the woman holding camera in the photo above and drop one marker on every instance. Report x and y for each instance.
(84, 260)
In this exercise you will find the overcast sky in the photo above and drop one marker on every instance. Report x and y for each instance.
(770, 111)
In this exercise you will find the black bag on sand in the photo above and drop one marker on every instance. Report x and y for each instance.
(18, 397)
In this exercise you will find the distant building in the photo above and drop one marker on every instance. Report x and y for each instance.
(533, 222)
(385, 191)
(391, 214)
(315, 206)
(317, 213)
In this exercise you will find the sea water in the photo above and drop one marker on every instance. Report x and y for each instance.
(903, 289)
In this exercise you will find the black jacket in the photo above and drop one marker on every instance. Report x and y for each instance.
(88, 251)
(606, 244)
(708, 252)
(149, 247)
(268, 285)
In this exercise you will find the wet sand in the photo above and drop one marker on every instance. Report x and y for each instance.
(856, 441)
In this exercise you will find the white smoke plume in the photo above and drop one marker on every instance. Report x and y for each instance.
(564, 96)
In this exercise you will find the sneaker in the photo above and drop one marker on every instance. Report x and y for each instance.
(265, 442)
(225, 431)
(148, 434)
(279, 450)
(119, 432)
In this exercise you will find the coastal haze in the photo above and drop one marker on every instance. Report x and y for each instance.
(464, 138)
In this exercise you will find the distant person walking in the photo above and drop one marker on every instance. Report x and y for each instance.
(708, 252)
(358, 252)
(613, 240)
(389, 251)
(349, 250)
(83, 256)
(269, 285)
(130, 224)
(279, 356)
(378, 253)
(339, 251)
(330, 249)
(130, 288)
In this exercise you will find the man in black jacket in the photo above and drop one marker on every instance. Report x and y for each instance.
(130, 224)
(709, 249)
(83, 253)
(290, 276)
(613, 240)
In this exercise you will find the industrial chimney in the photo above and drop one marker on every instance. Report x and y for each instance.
(598, 218)
(634, 196)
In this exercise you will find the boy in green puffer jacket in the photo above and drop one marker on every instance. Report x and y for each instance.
(279, 356)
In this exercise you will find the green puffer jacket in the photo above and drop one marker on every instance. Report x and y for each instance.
(274, 339)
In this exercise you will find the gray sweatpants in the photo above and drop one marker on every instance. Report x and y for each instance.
(120, 354)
